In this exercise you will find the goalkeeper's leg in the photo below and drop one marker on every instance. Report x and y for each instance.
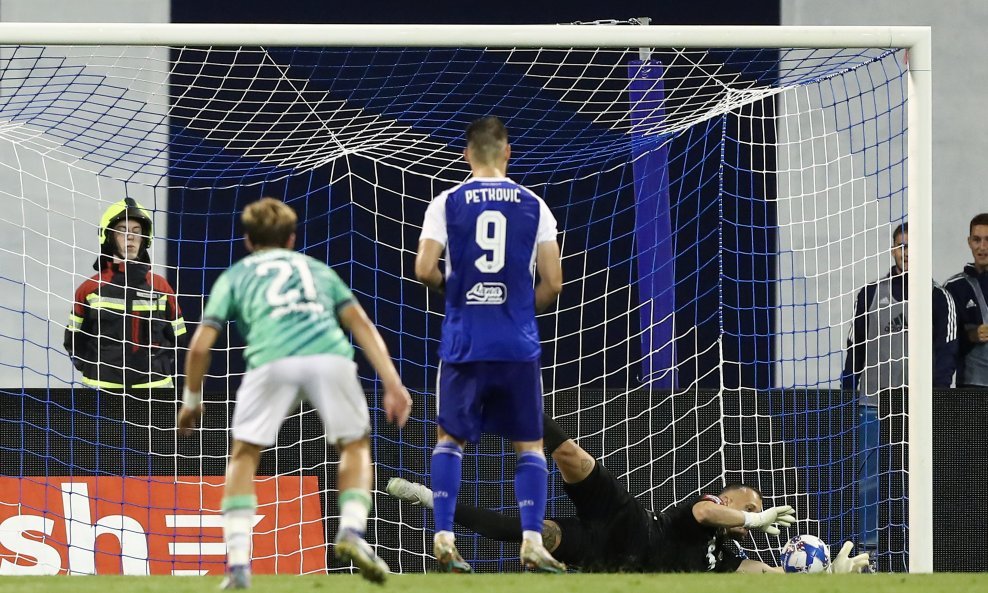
(506, 528)
(565, 537)
(490, 524)
(573, 462)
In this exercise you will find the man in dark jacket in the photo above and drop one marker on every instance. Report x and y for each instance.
(873, 305)
(125, 320)
(877, 364)
(876, 345)
(968, 290)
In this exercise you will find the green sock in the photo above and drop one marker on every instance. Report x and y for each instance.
(355, 505)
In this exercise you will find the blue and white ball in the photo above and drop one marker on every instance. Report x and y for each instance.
(805, 553)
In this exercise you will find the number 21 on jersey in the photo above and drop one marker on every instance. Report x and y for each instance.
(276, 295)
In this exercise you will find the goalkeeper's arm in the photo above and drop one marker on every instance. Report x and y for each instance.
(711, 514)
(754, 566)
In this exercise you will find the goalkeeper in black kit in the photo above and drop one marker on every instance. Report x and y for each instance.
(612, 532)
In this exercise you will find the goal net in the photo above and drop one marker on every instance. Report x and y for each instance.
(719, 210)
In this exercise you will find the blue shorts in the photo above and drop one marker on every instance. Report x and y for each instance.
(503, 398)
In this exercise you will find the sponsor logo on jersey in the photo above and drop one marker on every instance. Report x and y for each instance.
(896, 325)
(487, 293)
(314, 309)
(970, 304)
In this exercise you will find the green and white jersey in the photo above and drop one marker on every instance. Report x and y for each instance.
(285, 304)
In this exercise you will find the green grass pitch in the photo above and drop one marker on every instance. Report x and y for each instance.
(515, 583)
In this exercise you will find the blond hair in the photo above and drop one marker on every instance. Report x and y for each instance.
(269, 222)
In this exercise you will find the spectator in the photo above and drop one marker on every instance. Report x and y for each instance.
(876, 345)
(875, 364)
(968, 289)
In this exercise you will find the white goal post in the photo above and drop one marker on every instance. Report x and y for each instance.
(916, 40)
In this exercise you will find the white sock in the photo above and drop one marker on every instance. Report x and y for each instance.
(236, 533)
(353, 516)
(445, 536)
(533, 537)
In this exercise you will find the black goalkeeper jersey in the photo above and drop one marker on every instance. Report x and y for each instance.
(678, 543)
(612, 532)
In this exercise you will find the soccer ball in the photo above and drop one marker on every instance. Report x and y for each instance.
(805, 553)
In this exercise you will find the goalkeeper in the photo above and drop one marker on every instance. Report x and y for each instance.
(612, 532)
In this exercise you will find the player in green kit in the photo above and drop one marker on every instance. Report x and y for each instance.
(292, 311)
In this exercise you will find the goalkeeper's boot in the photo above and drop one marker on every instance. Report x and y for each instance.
(237, 577)
(534, 556)
(417, 494)
(448, 556)
(352, 547)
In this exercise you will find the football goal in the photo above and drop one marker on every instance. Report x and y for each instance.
(722, 193)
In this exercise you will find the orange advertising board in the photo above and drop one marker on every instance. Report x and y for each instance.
(153, 525)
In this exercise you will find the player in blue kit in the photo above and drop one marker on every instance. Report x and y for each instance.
(496, 235)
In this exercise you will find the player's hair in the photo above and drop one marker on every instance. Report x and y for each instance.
(899, 231)
(269, 222)
(979, 220)
(736, 487)
(486, 138)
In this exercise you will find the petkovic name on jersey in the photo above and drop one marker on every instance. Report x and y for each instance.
(487, 293)
(493, 194)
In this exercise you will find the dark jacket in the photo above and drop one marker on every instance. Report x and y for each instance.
(124, 327)
(944, 336)
(945, 342)
(854, 361)
(968, 311)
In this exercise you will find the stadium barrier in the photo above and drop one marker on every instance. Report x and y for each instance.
(80, 465)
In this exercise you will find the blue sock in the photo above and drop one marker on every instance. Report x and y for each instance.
(531, 474)
(447, 468)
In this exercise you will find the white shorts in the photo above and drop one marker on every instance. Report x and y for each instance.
(269, 393)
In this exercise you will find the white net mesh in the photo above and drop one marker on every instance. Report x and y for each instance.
(719, 211)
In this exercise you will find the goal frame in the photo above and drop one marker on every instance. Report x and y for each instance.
(915, 40)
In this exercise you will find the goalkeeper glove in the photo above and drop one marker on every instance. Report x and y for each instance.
(766, 521)
(844, 563)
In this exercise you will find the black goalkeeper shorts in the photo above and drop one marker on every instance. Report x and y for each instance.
(610, 532)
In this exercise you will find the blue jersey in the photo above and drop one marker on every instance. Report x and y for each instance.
(491, 228)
